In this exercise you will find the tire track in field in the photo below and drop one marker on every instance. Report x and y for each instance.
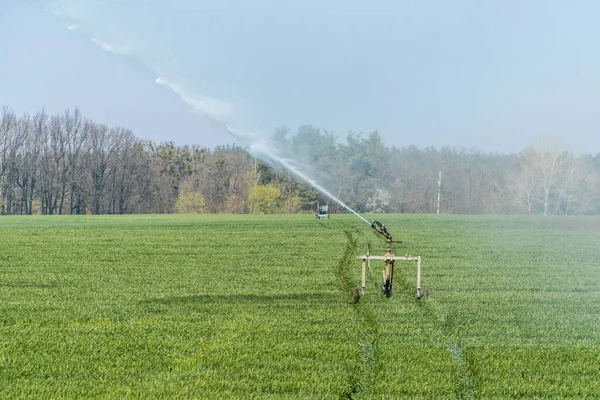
(366, 371)
(364, 375)
(466, 386)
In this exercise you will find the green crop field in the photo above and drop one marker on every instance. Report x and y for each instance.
(244, 307)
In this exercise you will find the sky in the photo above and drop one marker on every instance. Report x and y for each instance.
(490, 75)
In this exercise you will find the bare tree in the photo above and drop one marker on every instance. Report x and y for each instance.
(99, 149)
(576, 194)
(8, 122)
(522, 187)
(549, 158)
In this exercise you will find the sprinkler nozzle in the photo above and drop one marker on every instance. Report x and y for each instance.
(380, 228)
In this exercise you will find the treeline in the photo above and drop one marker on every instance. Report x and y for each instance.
(66, 164)
(370, 176)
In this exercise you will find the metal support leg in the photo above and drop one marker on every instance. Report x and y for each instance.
(364, 276)
(386, 285)
(418, 277)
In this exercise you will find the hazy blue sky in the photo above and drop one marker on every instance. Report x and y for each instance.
(493, 75)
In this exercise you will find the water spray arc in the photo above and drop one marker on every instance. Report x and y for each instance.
(264, 151)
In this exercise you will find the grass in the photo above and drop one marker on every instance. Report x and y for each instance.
(247, 307)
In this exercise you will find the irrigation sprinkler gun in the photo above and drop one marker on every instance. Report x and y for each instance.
(389, 258)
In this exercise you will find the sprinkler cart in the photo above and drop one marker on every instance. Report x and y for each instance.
(389, 258)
